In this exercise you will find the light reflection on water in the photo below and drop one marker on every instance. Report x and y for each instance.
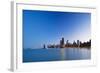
(63, 54)
(56, 54)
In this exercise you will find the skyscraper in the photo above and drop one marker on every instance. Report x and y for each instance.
(44, 46)
(62, 42)
(78, 43)
(67, 43)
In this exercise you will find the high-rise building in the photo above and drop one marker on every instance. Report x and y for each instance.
(67, 41)
(78, 43)
(62, 42)
(44, 46)
(74, 44)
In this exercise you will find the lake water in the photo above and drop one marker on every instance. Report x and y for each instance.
(56, 54)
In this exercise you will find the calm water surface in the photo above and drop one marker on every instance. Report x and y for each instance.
(56, 54)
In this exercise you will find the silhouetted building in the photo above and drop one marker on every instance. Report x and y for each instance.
(78, 43)
(67, 43)
(44, 46)
(86, 44)
(62, 43)
(74, 44)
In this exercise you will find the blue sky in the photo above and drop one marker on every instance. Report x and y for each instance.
(48, 27)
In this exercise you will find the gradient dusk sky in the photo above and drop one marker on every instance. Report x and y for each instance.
(48, 27)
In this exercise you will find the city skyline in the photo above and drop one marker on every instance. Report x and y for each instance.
(46, 27)
(67, 44)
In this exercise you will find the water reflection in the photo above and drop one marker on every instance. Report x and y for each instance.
(56, 54)
(63, 54)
